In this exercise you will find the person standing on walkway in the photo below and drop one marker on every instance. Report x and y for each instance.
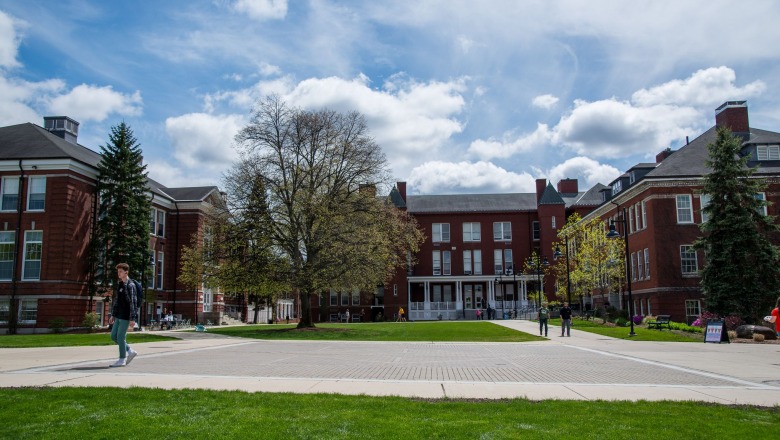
(124, 314)
(543, 315)
(346, 315)
(566, 320)
(401, 315)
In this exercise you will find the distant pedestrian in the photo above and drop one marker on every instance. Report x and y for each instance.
(346, 315)
(287, 318)
(124, 314)
(566, 319)
(774, 318)
(401, 314)
(479, 313)
(543, 316)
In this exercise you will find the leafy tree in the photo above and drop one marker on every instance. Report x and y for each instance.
(320, 170)
(122, 232)
(596, 263)
(741, 271)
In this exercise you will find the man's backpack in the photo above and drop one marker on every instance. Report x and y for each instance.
(139, 294)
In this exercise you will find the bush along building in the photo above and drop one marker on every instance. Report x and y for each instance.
(48, 205)
(663, 203)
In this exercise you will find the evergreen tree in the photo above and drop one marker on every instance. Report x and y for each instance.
(122, 233)
(741, 272)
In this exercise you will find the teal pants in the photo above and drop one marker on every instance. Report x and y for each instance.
(119, 336)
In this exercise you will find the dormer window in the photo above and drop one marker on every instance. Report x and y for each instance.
(768, 152)
(632, 177)
(617, 187)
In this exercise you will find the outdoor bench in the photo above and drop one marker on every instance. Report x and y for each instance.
(660, 321)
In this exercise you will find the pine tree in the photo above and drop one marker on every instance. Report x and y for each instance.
(122, 233)
(741, 272)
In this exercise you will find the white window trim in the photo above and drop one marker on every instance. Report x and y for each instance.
(695, 260)
(471, 232)
(476, 256)
(160, 269)
(11, 242)
(689, 208)
(3, 192)
(30, 193)
(503, 231)
(21, 307)
(438, 229)
(24, 256)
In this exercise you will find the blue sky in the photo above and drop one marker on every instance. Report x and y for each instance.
(463, 96)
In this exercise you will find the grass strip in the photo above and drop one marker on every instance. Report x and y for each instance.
(74, 340)
(97, 413)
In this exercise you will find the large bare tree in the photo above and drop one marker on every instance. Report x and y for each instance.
(320, 170)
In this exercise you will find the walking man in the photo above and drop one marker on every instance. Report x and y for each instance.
(543, 315)
(124, 313)
(566, 319)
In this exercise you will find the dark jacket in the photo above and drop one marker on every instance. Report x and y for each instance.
(565, 313)
(125, 306)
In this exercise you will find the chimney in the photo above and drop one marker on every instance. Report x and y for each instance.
(63, 127)
(401, 189)
(541, 184)
(568, 186)
(663, 155)
(734, 115)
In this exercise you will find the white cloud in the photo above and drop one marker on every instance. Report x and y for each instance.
(464, 177)
(17, 98)
(86, 102)
(510, 146)
(9, 42)
(706, 87)
(202, 141)
(262, 9)
(545, 101)
(174, 176)
(587, 171)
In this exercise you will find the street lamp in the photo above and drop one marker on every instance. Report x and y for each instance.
(613, 233)
(537, 262)
(498, 282)
(557, 255)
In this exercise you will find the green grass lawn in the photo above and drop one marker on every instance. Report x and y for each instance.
(642, 332)
(74, 340)
(98, 413)
(469, 331)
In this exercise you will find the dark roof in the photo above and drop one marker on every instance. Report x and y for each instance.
(29, 141)
(690, 160)
(591, 197)
(551, 197)
(471, 203)
(191, 194)
(396, 199)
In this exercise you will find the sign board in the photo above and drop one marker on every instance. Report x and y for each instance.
(716, 331)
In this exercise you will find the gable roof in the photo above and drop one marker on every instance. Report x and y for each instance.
(29, 141)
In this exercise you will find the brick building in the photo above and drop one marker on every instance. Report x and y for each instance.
(48, 207)
(663, 202)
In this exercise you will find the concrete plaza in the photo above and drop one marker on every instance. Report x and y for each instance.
(584, 366)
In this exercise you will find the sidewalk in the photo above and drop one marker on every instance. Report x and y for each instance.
(584, 366)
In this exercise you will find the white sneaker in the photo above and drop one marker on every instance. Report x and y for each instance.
(130, 356)
(119, 363)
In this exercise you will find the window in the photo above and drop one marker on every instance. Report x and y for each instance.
(688, 260)
(441, 232)
(472, 262)
(633, 266)
(160, 223)
(472, 232)
(768, 152)
(10, 194)
(617, 187)
(150, 281)
(552, 222)
(334, 298)
(152, 221)
(344, 299)
(356, 297)
(498, 266)
(159, 270)
(639, 269)
(4, 311)
(36, 195)
(508, 267)
(684, 209)
(33, 250)
(762, 197)
(644, 214)
(437, 262)
(446, 257)
(28, 311)
(639, 225)
(631, 220)
(502, 231)
(704, 201)
(647, 264)
(6, 255)
(208, 299)
(535, 233)
(692, 307)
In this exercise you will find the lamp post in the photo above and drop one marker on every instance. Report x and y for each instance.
(537, 262)
(498, 282)
(613, 233)
(557, 255)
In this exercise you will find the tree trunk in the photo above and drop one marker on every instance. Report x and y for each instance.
(305, 321)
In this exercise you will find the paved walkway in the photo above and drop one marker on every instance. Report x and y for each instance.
(584, 366)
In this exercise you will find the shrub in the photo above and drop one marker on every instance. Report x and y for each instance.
(732, 335)
(57, 325)
(685, 327)
(638, 319)
(758, 337)
(732, 322)
(91, 321)
(621, 322)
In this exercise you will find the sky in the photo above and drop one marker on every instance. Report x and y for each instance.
(462, 96)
